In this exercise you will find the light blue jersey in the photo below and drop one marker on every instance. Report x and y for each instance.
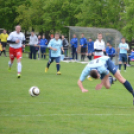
(55, 44)
(98, 64)
(123, 48)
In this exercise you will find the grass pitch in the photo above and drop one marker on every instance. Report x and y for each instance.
(61, 108)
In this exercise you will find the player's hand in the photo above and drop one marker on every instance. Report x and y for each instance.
(84, 90)
(54, 49)
(23, 46)
(98, 87)
(17, 41)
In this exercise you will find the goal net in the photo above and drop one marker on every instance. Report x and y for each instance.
(109, 35)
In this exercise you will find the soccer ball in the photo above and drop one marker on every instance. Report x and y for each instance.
(34, 91)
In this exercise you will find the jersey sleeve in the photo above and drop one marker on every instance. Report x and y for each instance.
(50, 43)
(84, 74)
(119, 46)
(10, 36)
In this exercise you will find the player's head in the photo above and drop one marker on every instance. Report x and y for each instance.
(108, 43)
(51, 36)
(123, 40)
(4, 31)
(18, 28)
(90, 39)
(82, 35)
(74, 35)
(39, 36)
(32, 33)
(62, 36)
(94, 74)
(43, 36)
(99, 36)
(57, 36)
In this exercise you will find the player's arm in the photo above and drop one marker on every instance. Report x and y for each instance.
(9, 40)
(81, 79)
(81, 86)
(62, 49)
(50, 46)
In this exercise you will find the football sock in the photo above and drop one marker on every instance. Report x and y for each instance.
(124, 66)
(120, 66)
(88, 57)
(48, 64)
(58, 67)
(110, 79)
(19, 66)
(128, 87)
(9, 64)
(4, 51)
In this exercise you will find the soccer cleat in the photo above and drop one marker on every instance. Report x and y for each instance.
(89, 78)
(18, 76)
(46, 70)
(9, 69)
(58, 73)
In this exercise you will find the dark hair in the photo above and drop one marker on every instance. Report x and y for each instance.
(93, 73)
(133, 49)
(99, 33)
(123, 38)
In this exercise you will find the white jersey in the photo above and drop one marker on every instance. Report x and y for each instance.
(100, 46)
(16, 36)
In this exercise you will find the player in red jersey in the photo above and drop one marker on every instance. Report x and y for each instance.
(16, 41)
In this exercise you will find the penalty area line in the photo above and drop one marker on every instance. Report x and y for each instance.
(39, 115)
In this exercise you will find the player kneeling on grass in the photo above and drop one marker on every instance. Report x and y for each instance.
(56, 46)
(99, 69)
(16, 41)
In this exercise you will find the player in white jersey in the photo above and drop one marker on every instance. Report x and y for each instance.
(99, 69)
(16, 41)
(99, 47)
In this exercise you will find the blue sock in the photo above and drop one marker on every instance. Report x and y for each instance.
(120, 66)
(128, 87)
(110, 80)
(58, 67)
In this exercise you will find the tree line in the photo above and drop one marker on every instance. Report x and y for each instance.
(50, 16)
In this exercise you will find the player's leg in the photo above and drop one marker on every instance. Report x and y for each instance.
(120, 61)
(51, 59)
(11, 56)
(4, 49)
(126, 83)
(19, 65)
(112, 68)
(125, 62)
(76, 53)
(58, 65)
(44, 53)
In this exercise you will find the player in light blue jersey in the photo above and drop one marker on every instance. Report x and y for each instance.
(123, 47)
(99, 69)
(56, 46)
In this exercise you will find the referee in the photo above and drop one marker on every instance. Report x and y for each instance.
(3, 38)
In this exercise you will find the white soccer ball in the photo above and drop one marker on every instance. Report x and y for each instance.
(34, 91)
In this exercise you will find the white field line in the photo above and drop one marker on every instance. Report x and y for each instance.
(64, 104)
(40, 115)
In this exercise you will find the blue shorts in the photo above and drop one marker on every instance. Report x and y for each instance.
(57, 59)
(123, 57)
(89, 51)
(111, 67)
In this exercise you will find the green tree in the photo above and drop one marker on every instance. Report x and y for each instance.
(8, 13)
(100, 13)
(128, 20)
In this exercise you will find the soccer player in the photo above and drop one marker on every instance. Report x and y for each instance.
(123, 47)
(16, 40)
(74, 44)
(65, 44)
(90, 49)
(99, 47)
(99, 69)
(56, 46)
(110, 52)
(3, 38)
(83, 43)
(43, 45)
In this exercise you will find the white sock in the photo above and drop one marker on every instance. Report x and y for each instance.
(9, 64)
(19, 66)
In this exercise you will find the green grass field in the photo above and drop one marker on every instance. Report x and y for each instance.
(61, 108)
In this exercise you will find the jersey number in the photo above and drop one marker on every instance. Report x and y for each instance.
(94, 61)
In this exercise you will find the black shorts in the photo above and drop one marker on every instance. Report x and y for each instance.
(83, 50)
(3, 44)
